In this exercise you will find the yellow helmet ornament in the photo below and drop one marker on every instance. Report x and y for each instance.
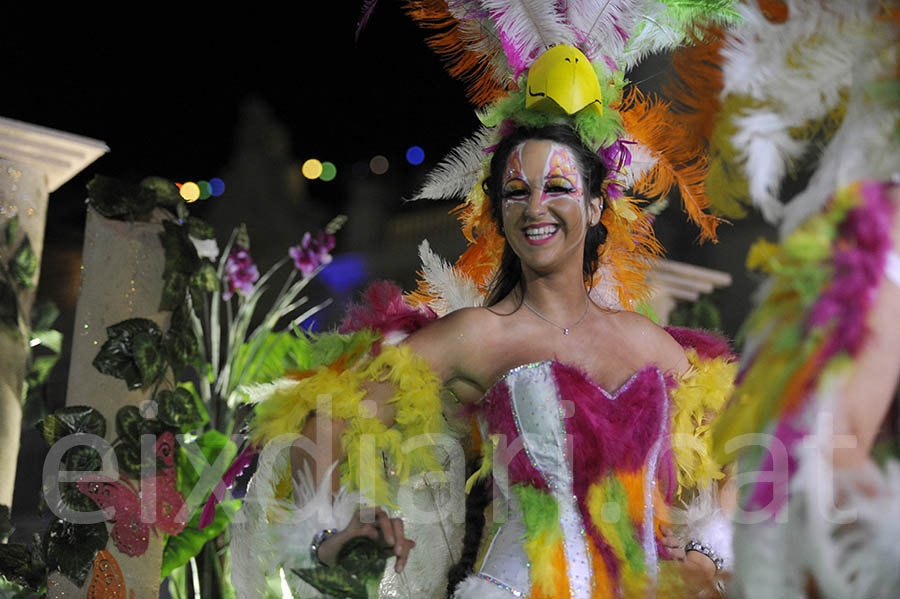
(562, 79)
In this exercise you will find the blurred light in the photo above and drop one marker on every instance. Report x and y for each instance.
(379, 165)
(415, 155)
(204, 189)
(311, 169)
(344, 273)
(216, 186)
(329, 171)
(190, 191)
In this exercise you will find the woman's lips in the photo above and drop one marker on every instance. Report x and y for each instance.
(540, 234)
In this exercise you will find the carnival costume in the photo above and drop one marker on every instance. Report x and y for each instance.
(599, 470)
(834, 254)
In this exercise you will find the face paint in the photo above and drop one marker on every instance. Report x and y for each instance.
(543, 203)
(515, 183)
(561, 176)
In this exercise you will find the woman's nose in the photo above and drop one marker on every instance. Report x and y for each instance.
(535, 205)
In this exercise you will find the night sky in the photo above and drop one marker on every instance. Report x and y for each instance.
(165, 91)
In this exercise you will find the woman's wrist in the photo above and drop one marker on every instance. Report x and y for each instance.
(317, 541)
(708, 551)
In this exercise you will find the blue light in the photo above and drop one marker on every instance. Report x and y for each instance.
(216, 186)
(415, 155)
(344, 273)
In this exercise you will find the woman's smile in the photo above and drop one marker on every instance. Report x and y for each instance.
(540, 233)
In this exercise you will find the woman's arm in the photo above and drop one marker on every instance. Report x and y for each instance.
(869, 391)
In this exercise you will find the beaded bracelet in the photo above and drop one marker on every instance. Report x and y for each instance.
(705, 550)
(317, 540)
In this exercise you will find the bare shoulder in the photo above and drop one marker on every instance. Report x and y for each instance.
(653, 341)
(448, 341)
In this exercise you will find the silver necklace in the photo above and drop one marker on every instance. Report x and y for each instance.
(565, 330)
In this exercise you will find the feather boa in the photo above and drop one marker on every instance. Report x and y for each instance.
(284, 406)
(824, 276)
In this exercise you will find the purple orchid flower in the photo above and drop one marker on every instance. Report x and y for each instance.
(235, 470)
(240, 272)
(312, 252)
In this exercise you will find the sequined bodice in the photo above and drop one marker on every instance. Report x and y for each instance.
(560, 432)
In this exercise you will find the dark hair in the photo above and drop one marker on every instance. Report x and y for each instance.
(593, 171)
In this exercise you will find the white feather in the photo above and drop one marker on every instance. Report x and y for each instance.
(800, 70)
(598, 23)
(460, 170)
(270, 534)
(474, 587)
(704, 521)
(452, 289)
(766, 150)
(654, 31)
(642, 160)
(529, 27)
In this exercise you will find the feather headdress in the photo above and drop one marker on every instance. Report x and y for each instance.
(491, 44)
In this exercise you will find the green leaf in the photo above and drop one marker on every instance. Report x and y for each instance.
(83, 458)
(116, 356)
(182, 408)
(23, 265)
(13, 590)
(43, 314)
(360, 565)
(50, 339)
(175, 283)
(120, 200)
(148, 357)
(205, 279)
(200, 229)
(128, 456)
(71, 548)
(9, 302)
(181, 262)
(189, 542)
(40, 370)
(165, 192)
(10, 231)
(17, 564)
(210, 444)
(128, 423)
(75, 499)
(180, 343)
(70, 420)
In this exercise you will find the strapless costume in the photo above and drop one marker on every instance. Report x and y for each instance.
(583, 474)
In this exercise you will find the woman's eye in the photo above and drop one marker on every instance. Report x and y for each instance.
(559, 189)
(515, 193)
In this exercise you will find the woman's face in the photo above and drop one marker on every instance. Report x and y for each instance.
(545, 215)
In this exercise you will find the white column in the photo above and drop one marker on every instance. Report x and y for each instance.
(23, 194)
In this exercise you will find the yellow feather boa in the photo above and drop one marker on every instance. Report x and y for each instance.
(285, 406)
(699, 397)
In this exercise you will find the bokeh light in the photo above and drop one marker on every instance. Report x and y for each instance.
(379, 165)
(190, 191)
(311, 169)
(216, 186)
(415, 155)
(205, 191)
(329, 171)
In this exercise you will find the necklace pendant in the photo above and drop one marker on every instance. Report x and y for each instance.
(565, 331)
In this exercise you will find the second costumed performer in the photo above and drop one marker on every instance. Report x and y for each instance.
(593, 419)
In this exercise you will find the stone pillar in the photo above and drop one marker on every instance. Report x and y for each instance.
(121, 278)
(23, 194)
